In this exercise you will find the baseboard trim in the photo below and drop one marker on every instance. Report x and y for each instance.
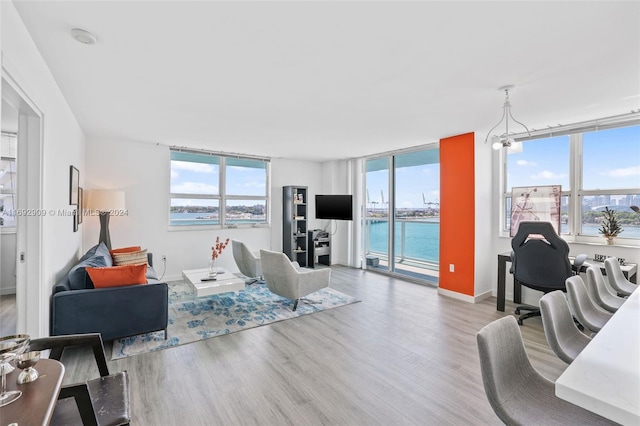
(7, 290)
(464, 297)
(167, 278)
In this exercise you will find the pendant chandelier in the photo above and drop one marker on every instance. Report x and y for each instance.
(506, 139)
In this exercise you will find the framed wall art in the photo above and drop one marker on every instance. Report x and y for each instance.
(80, 204)
(535, 203)
(74, 185)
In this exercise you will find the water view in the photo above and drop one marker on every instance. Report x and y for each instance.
(422, 238)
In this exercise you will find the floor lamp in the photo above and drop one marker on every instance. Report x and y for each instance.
(104, 202)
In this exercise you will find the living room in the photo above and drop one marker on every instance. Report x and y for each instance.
(546, 93)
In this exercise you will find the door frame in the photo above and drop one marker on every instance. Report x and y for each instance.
(31, 300)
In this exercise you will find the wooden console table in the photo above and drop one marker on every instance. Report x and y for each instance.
(38, 400)
(630, 272)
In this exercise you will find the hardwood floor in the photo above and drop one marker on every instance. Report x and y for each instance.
(8, 315)
(404, 355)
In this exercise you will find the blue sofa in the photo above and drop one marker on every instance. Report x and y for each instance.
(115, 312)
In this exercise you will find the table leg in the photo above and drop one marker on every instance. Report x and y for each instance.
(502, 268)
(517, 291)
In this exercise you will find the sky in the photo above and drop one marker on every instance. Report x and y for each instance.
(611, 160)
(203, 178)
(411, 183)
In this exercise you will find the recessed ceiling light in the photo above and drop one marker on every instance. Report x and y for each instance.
(82, 36)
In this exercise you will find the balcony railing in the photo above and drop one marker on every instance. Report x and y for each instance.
(416, 241)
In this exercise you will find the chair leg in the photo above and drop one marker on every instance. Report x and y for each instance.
(295, 304)
(83, 400)
(166, 334)
(528, 315)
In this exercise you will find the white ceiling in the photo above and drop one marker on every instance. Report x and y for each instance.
(329, 80)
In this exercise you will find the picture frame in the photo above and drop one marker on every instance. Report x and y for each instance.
(535, 203)
(80, 204)
(74, 184)
(75, 220)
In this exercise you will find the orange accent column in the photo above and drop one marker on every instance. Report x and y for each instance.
(457, 213)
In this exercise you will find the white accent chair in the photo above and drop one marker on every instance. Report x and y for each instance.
(248, 262)
(287, 279)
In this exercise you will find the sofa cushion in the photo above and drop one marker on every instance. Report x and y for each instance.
(103, 251)
(131, 258)
(90, 253)
(78, 278)
(116, 276)
(151, 273)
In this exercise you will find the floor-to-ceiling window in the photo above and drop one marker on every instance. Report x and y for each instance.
(402, 220)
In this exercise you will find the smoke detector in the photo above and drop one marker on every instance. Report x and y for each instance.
(83, 36)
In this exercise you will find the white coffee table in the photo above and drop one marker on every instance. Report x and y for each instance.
(224, 283)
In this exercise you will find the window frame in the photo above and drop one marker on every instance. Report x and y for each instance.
(576, 193)
(222, 197)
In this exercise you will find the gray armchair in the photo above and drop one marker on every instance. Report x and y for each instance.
(563, 336)
(618, 281)
(247, 261)
(286, 279)
(599, 291)
(590, 315)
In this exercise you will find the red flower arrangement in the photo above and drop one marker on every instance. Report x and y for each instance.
(216, 250)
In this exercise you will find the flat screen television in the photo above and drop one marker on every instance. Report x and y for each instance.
(338, 207)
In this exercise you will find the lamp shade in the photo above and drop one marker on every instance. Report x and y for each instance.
(105, 200)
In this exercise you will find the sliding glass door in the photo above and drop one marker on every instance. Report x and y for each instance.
(402, 221)
(377, 213)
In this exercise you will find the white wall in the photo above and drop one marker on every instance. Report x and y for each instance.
(63, 145)
(337, 181)
(485, 211)
(142, 171)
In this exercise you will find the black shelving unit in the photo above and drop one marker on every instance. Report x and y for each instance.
(294, 223)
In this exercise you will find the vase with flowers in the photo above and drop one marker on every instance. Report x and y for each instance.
(216, 251)
(609, 226)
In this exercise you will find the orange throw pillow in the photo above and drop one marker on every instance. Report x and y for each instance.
(115, 276)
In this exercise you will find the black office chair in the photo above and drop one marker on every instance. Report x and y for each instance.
(540, 260)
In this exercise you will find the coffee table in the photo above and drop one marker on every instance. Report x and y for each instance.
(224, 283)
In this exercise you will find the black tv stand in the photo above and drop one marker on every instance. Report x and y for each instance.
(319, 248)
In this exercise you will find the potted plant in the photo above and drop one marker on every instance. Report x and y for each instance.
(610, 227)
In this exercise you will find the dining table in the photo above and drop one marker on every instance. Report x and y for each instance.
(605, 377)
(38, 400)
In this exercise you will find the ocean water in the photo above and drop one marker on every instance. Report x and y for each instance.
(421, 239)
(184, 219)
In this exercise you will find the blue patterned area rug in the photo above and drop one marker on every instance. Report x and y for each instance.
(192, 319)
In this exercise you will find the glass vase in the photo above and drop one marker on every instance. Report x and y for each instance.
(213, 271)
